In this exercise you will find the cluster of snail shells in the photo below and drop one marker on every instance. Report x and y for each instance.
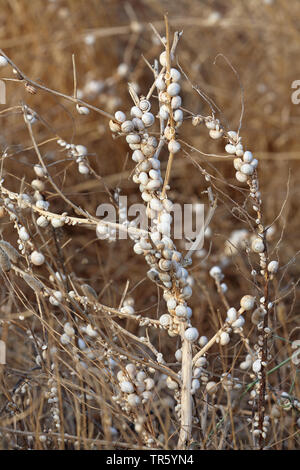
(215, 129)
(244, 163)
(167, 271)
(170, 101)
(79, 153)
(147, 172)
(135, 387)
(160, 252)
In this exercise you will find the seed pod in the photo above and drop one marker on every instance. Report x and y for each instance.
(11, 252)
(5, 264)
(89, 292)
(34, 283)
(258, 315)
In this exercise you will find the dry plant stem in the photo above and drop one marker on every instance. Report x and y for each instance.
(22, 77)
(186, 396)
(187, 362)
(264, 348)
(264, 360)
(171, 120)
(88, 222)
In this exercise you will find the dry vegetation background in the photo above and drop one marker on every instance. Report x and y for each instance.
(261, 40)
